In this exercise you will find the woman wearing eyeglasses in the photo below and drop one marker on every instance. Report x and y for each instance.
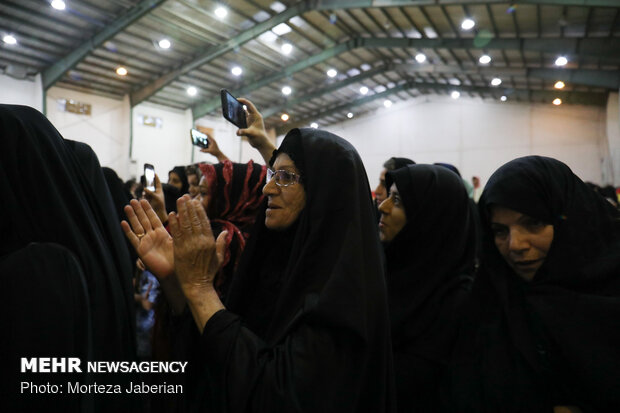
(231, 194)
(305, 326)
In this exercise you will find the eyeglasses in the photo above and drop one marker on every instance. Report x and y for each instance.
(283, 177)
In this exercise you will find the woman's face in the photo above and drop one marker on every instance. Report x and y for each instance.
(523, 241)
(381, 190)
(203, 193)
(285, 203)
(175, 180)
(192, 180)
(393, 217)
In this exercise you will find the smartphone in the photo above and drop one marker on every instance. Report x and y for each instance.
(199, 139)
(149, 177)
(233, 110)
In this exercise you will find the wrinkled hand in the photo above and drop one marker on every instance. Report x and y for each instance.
(256, 132)
(154, 246)
(197, 255)
(157, 200)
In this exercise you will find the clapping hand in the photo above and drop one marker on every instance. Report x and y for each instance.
(197, 254)
(149, 238)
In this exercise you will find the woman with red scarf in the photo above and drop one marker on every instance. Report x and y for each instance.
(231, 194)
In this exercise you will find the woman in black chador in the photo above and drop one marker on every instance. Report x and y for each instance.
(305, 326)
(65, 272)
(542, 333)
(428, 233)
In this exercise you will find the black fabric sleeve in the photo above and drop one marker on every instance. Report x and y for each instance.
(315, 368)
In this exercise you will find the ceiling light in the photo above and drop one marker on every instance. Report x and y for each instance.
(559, 85)
(455, 94)
(281, 29)
(485, 59)
(314, 125)
(286, 90)
(468, 24)
(496, 81)
(277, 7)
(350, 115)
(268, 37)
(420, 58)
(363, 90)
(332, 73)
(284, 117)
(164, 44)
(192, 91)
(503, 98)
(557, 101)
(430, 33)
(9, 39)
(221, 12)
(561, 61)
(121, 71)
(387, 103)
(287, 48)
(58, 4)
(236, 71)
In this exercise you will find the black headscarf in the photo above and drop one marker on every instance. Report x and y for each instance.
(429, 271)
(120, 196)
(326, 345)
(180, 171)
(529, 346)
(450, 167)
(49, 194)
(396, 163)
(171, 194)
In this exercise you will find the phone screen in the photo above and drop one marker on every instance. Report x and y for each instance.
(149, 176)
(199, 139)
(232, 109)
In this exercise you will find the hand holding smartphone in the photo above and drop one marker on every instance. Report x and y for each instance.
(199, 139)
(149, 177)
(233, 110)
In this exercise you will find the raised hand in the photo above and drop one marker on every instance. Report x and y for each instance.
(256, 132)
(149, 238)
(213, 149)
(197, 255)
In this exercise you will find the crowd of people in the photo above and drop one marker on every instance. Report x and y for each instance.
(290, 288)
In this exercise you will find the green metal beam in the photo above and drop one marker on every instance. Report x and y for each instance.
(609, 79)
(356, 4)
(203, 108)
(593, 47)
(596, 47)
(586, 98)
(213, 52)
(332, 88)
(55, 72)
